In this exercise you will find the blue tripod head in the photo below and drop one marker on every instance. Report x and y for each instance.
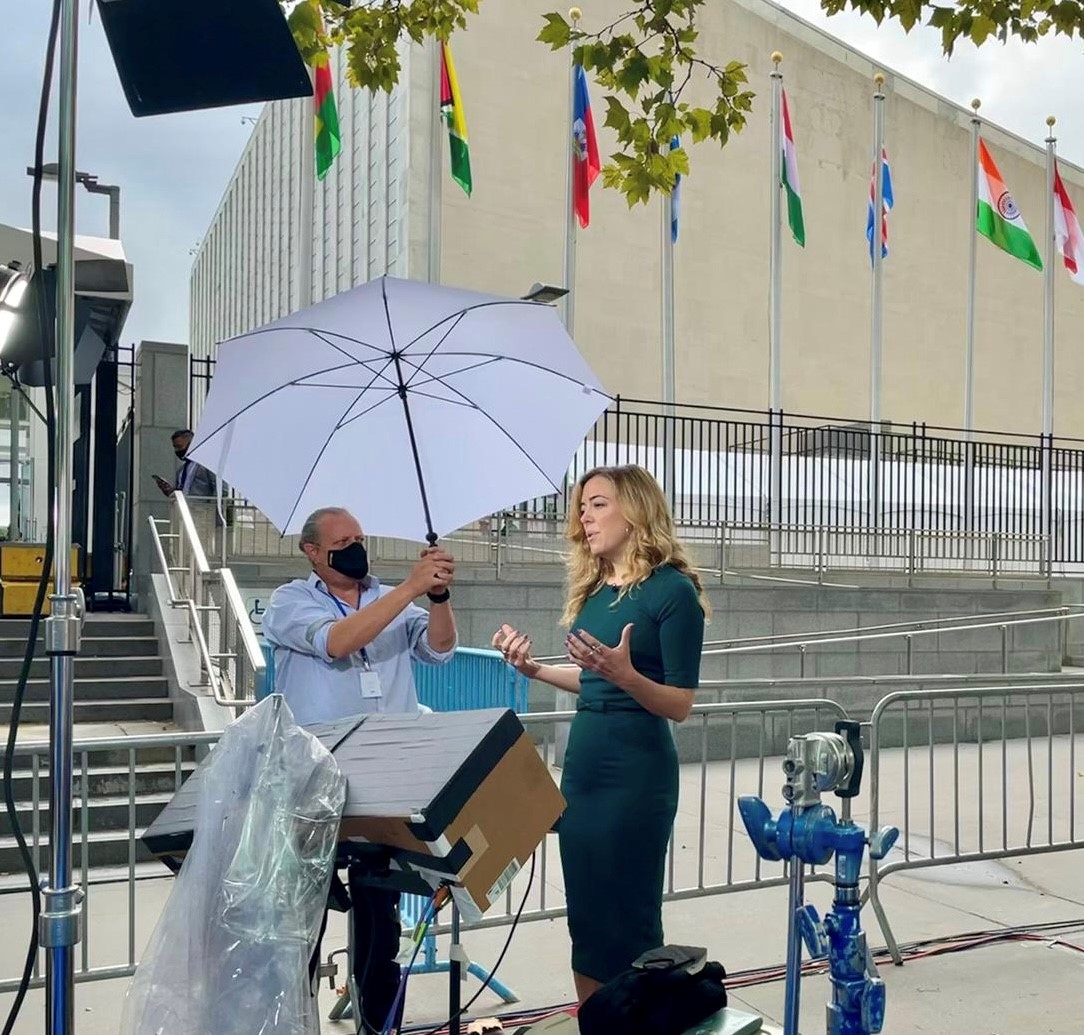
(808, 833)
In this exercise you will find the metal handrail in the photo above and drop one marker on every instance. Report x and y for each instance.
(196, 600)
(1063, 614)
(903, 626)
(805, 642)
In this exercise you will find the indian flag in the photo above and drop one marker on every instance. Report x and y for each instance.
(790, 176)
(998, 218)
(326, 123)
(451, 110)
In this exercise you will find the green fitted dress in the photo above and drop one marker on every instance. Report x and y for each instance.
(620, 776)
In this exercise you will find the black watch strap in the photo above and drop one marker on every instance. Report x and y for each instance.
(439, 598)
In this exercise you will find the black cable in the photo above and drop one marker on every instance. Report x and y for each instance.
(46, 337)
(500, 959)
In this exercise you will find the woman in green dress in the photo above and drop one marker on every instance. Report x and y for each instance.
(635, 611)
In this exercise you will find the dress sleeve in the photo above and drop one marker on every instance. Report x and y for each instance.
(681, 634)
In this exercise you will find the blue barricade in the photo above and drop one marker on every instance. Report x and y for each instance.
(472, 679)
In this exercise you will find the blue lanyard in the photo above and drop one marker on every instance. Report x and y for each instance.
(342, 610)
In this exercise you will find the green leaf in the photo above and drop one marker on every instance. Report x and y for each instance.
(556, 32)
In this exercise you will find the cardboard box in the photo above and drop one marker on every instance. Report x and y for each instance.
(458, 798)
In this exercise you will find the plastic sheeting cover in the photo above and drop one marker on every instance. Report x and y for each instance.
(230, 952)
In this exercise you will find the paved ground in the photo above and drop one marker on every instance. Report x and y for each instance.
(1004, 989)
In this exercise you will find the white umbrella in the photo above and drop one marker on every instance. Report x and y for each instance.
(419, 408)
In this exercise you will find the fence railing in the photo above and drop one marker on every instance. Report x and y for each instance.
(1006, 755)
(506, 542)
(966, 773)
(232, 667)
(757, 467)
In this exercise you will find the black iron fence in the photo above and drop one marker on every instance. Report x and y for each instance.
(721, 465)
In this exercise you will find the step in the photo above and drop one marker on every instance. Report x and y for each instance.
(103, 627)
(156, 709)
(89, 647)
(37, 732)
(118, 688)
(104, 848)
(86, 667)
(104, 814)
(108, 780)
(106, 874)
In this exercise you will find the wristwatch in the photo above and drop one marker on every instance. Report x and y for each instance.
(439, 598)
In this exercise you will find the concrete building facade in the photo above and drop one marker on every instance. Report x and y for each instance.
(372, 215)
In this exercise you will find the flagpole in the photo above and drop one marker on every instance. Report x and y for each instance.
(436, 169)
(1046, 491)
(1048, 284)
(775, 317)
(969, 353)
(775, 307)
(305, 202)
(969, 345)
(877, 330)
(668, 360)
(574, 16)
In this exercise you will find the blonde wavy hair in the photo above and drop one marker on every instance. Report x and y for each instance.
(651, 544)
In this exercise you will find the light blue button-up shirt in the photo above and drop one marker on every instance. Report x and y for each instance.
(320, 688)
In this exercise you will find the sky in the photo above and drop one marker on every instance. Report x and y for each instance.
(173, 169)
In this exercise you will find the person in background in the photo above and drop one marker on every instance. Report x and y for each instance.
(344, 645)
(191, 479)
(636, 612)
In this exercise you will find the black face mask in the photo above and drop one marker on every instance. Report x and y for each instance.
(181, 453)
(351, 561)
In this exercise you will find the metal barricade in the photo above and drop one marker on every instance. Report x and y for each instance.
(127, 780)
(1003, 758)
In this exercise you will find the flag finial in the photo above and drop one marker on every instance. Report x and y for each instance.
(975, 105)
(574, 15)
(1050, 120)
(777, 57)
(879, 80)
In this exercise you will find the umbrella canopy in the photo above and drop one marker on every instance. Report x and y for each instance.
(420, 408)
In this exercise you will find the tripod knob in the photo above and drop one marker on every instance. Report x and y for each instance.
(812, 932)
(880, 843)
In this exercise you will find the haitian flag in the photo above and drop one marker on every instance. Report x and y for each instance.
(585, 163)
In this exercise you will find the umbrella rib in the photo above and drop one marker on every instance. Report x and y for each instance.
(436, 377)
(504, 431)
(522, 362)
(425, 395)
(323, 336)
(444, 337)
(460, 313)
(316, 332)
(297, 382)
(345, 421)
(323, 449)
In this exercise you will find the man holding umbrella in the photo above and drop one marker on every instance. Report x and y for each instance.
(344, 645)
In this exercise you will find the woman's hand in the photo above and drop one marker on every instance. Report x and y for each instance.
(516, 648)
(614, 664)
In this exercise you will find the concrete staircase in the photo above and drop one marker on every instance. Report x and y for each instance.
(120, 688)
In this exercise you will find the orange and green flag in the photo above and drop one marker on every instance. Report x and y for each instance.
(326, 124)
(451, 110)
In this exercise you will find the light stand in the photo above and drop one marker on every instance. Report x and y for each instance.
(807, 833)
(60, 923)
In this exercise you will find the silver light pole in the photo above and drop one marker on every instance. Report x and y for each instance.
(775, 312)
(1046, 492)
(60, 923)
(877, 330)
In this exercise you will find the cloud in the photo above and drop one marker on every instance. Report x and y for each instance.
(171, 169)
(1019, 84)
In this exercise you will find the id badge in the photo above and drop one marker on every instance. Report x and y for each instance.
(370, 685)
